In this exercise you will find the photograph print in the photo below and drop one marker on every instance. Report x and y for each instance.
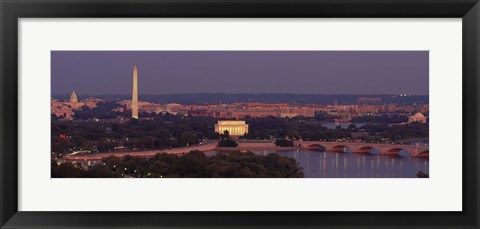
(239, 114)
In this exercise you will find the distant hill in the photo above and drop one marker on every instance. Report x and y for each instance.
(199, 98)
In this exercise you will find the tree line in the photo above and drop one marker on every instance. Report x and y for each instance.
(171, 131)
(194, 164)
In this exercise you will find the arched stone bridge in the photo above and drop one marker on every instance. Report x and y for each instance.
(362, 147)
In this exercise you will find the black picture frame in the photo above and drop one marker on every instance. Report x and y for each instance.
(12, 10)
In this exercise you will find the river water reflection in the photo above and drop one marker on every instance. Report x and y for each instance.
(318, 164)
(351, 165)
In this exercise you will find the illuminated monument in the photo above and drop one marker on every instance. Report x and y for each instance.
(234, 128)
(135, 94)
(73, 97)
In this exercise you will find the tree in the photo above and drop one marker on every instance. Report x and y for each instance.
(227, 143)
(226, 134)
(53, 168)
(66, 170)
(188, 138)
(104, 145)
(295, 134)
(352, 127)
(99, 171)
(284, 142)
(53, 118)
(421, 174)
(191, 164)
(87, 145)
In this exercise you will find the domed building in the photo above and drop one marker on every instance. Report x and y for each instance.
(73, 97)
(418, 117)
(66, 109)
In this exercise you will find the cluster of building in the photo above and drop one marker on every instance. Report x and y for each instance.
(258, 110)
(149, 107)
(66, 109)
(364, 106)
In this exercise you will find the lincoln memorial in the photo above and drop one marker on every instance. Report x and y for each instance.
(234, 128)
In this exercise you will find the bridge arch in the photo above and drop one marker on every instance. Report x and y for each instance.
(340, 149)
(423, 154)
(316, 147)
(397, 152)
(368, 150)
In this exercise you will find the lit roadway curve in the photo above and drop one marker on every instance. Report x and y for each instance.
(150, 153)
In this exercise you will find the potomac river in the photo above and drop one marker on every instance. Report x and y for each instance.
(315, 164)
(351, 165)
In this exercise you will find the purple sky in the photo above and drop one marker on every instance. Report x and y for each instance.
(297, 72)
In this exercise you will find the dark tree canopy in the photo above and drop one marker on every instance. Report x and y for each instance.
(192, 164)
(227, 143)
(284, 142)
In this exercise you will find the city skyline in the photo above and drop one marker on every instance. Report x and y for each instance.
(276, 114)
(245, 72)
(226, 93)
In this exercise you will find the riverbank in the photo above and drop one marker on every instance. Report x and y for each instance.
(203, 148)
(257, 146)
(148, 153)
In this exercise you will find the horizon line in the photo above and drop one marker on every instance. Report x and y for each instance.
(270, 93)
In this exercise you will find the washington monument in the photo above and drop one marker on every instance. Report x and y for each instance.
(135, 94)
